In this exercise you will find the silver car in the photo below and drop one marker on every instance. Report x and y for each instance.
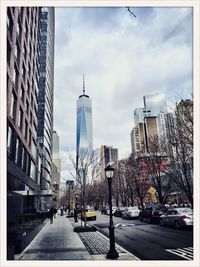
(179, 218)
(130, 212)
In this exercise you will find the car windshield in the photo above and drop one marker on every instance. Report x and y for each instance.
(185, 210)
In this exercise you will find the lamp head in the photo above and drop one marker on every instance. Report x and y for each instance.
(109, 172)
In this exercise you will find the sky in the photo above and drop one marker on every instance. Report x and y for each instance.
(123, 58)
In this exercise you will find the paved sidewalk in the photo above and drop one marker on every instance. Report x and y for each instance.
(56, 241)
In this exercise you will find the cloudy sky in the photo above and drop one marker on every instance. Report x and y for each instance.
(123, 58)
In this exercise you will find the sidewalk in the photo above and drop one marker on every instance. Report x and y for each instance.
(58, 241)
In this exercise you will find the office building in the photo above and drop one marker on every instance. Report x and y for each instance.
(156, 103)
(23, 157)
(108, 154)
(84, 132)
(22, 92)
(45, 100)
(56, 167)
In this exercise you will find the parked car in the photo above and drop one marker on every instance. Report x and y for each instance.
(113, 210)
(152, 212)
(90, 214)
(118, 212)
(131, 212)
(179, 218)
(104, 210)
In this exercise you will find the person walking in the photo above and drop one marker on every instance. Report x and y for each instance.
(51, 212)
(54, 212)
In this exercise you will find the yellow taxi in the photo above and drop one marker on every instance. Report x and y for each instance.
(90, 214)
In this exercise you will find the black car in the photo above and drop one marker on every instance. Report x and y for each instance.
(152, 212)
(118, 212)
(104, 210)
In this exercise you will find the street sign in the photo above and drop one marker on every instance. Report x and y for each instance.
(152, 190)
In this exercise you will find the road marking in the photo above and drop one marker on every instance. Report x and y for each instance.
(186, 253)
(120, 225)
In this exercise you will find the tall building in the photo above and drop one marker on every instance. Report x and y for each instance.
(84, 134)
(107, 154)
(156, 103)
(23, 159)
(45, 100)
(22, 91)
(56, 167)
(149, 121)
(84, 131)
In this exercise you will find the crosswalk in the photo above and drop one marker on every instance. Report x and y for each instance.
(186, 253)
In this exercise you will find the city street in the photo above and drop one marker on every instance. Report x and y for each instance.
(149, 241)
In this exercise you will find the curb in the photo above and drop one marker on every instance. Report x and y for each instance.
(129, 253)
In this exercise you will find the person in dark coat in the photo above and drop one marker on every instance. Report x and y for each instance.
(54, 212)
(51, 212)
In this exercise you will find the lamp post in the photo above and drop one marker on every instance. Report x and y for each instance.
(112, 253)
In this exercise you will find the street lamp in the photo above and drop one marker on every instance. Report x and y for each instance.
(112, 253)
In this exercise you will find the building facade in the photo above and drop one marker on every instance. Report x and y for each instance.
(56, 168)
(22, 91)
(45, 100)
(108, 154)
(84, 133)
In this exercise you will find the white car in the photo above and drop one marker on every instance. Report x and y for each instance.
(113, 210)
(179, 218)
(131, 212)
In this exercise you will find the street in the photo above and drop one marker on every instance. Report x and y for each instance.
(149, 241)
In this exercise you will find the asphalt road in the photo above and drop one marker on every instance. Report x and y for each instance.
(149, 241)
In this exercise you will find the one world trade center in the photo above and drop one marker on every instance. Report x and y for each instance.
(84, 133)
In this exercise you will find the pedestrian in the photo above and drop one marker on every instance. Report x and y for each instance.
(51, 212)
(54, 212)
(61, 211)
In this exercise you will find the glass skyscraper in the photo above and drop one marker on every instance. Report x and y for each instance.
(45, 99)
(84, 136)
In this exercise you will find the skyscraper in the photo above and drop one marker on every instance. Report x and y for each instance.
(107, 154)
(23, 161)
(84, 136)
(45, 99)
(84, 132)
(56, 167)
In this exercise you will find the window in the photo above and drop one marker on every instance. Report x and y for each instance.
(20, 119)
(27, 106)
(22, 161)
(29, 143)
(17, 51)
(13, 105)
(22, 93)
(26, 129)
(8, 52)
(34, 149)
(9, 140)
(17, 151)
(17, 30)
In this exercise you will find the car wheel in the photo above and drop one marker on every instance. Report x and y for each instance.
(127, 217)
(141, 218)
(162, 222)
(177, 225)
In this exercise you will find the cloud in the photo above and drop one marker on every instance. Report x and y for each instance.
(123, 58)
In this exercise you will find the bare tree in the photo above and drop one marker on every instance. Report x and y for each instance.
(84, 166)
(157, 163)
(139, 177)
(180, 132)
